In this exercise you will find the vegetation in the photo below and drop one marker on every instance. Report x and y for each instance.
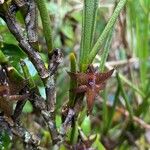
(55, 58)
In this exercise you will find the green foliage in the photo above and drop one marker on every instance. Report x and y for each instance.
(28, 108)
(108, 28)
(88, 31)
(129, 91)
(5, 143)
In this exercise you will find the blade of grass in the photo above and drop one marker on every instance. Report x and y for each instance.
(88, 31)
(106, 51)
(74, 133)
(142, 43)
(125, 97)
(104, 110)
(112, 111)
(144, 107)
(145, 4)
(45, 18)
(101, 40)
(124, 79)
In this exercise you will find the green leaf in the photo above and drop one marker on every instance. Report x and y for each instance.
(106, 51)
(101, 40)
(7, 37)
(86, 125)
(28, 107)
(3, 58)
(5, 142)
(131, 85)
(125, 97)
(88, 30)
(67, 31)
(58, 121)
(112, 111)
(97, 144)
(14, 54)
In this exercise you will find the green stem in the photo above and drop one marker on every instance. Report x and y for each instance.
(46, 23)
(98, 45)
(73, 83)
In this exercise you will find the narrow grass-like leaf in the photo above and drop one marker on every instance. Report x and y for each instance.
(97, 144)
(145, 4)
(112, 111)
(46, 23)
(101, 40)
(106, 51)
(131, 85)
(104, 111)
(125, 97)
(144, 107)
(88, 31)
(74, 133)
(142, 30)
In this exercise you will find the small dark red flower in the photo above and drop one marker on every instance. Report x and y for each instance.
(90, 83)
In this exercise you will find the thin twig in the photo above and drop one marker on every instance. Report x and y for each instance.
(39, 103)
(47, 75)
(138, 120)
(119, 63)
(17, 31)
(32, 24)
(67, 121)
(55, 60)
(21, 132)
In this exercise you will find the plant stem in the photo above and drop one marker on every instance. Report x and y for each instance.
(73, 83)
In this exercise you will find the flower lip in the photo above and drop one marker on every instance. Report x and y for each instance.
(91, 83)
